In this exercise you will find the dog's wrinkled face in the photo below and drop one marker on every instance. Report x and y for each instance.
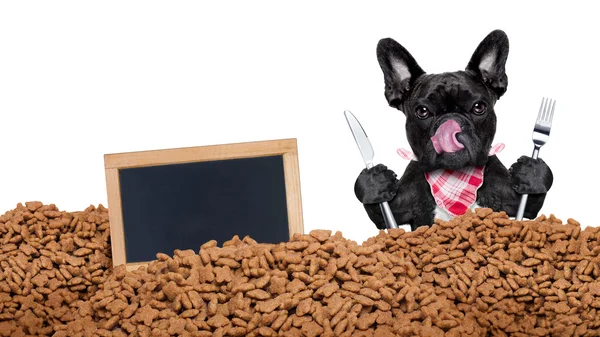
(450, 119)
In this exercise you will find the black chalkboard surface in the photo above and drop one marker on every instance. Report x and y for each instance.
(182, 206)
(164, 200)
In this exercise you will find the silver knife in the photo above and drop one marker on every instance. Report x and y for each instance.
(366, 150)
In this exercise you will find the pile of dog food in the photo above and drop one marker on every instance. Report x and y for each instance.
(477, 275)
(51, 263)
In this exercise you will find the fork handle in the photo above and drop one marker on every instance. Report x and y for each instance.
(521, 210)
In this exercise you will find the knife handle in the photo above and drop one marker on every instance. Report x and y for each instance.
(388, 216)
(390, 222)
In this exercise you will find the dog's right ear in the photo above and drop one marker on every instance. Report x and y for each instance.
(489, 60)
(399, 68)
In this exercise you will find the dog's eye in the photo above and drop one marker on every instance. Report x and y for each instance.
(478, 108)
(422, 112)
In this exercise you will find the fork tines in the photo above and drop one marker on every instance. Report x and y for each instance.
(544, 118)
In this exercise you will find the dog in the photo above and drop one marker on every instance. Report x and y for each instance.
(450, 127)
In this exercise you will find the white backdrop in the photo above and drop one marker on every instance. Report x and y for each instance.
(79, 79)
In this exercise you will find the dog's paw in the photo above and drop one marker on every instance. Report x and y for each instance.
(531, 176)
(376, 185)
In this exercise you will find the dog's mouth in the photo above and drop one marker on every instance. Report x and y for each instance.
(444, 140)
(454, 145)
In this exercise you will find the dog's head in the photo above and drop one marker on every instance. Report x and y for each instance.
(450, 119)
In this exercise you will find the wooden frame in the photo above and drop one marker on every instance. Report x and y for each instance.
(287, 148)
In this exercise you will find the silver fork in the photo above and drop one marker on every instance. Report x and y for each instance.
(541, 133)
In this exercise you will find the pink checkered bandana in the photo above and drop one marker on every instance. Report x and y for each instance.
(454, 190)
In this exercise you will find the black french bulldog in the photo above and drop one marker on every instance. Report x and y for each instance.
(450, 126)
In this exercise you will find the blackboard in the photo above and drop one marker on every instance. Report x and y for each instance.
(171, 199)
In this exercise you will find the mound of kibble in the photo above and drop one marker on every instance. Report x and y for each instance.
(481, 274)
(51, 263)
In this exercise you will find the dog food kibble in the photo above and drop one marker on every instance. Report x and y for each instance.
(480, 274)
(51, 263)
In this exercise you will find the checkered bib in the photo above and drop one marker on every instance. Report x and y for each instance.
(454, 191)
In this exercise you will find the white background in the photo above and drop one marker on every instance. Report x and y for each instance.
(80, 79)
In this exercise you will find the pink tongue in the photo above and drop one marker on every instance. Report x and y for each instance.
(445, 140)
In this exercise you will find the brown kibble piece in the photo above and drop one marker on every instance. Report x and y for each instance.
(320, 235)
(258, 294)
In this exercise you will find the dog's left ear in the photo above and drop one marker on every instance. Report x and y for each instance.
(489, 60)
(400, 70)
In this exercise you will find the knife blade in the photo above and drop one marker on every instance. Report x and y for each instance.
(367, 153)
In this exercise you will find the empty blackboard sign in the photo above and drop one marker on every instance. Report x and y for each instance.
(164, 200)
